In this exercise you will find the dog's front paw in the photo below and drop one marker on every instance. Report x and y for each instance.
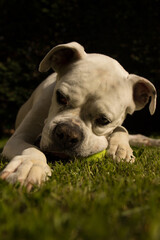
(121, 152)
(27, 171)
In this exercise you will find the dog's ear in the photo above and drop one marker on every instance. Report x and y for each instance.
(62, 55)
(143, 89)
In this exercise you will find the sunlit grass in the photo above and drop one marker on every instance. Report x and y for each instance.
(95, 200)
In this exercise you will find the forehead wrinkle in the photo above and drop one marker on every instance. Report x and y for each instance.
(88, 79)
(79, 91)
(85, 73)
(110, 104)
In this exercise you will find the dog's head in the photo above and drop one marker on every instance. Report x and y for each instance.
(92, 96)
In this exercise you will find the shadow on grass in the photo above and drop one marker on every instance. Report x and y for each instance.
(3, 141)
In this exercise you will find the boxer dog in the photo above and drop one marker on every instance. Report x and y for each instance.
(78, 111)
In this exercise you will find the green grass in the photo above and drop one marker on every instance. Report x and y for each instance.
(3, 142)
(87, 201)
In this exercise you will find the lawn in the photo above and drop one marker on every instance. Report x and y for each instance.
(95, 200)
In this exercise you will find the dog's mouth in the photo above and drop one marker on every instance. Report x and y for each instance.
(55, 152)
(58, 155)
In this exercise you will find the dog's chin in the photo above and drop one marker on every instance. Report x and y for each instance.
(55, 153)
(58, 155)
(66, 154)
(61, 155)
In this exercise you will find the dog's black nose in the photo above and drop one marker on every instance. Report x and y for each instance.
(67, 135)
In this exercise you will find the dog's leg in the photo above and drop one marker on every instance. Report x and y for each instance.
(28, 164)
(140, 140)
(119, 148)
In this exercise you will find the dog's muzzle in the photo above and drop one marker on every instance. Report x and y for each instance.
(67, 136)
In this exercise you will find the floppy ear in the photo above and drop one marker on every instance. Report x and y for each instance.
(143, 89)
(62, 55)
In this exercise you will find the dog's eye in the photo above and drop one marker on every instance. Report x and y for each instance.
(61, 99)
(102, 121)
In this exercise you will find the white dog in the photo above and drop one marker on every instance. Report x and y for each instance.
(78, 111)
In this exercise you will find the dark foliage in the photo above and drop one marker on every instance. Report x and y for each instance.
(126, 30)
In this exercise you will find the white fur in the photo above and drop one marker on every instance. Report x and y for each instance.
(96, 84)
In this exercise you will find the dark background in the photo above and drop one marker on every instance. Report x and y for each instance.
(126, 30)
